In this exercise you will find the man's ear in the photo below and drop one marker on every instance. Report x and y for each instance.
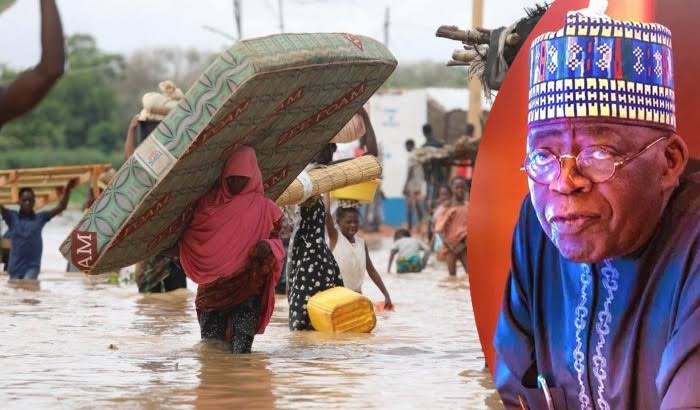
(676, 156)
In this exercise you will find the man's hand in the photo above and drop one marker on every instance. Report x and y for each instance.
(63, 204)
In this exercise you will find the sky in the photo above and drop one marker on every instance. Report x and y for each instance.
(125, 25)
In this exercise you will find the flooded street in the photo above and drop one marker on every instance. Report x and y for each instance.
(72, 341)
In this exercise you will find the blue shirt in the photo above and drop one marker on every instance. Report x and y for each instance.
(27, 245)
(609, 335)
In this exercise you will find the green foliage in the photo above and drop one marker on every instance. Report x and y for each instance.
(79, 112)
(427, 74)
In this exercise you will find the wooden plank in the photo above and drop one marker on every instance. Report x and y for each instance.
(37, 190)
(95, 182)
(79, 169)
(48, 183)
(42, 183)
(27, 175)
(44, 177)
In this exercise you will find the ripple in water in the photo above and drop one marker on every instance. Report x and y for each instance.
(74, 342)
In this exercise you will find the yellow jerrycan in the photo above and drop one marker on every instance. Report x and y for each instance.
(341, 310)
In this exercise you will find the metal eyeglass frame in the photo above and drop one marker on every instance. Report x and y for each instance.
(617, 164)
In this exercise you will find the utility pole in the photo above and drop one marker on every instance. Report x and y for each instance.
(237, 17)
(474, 111)
(281, 16)
(386, 26)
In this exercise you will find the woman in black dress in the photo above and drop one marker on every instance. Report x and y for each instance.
(313, 268)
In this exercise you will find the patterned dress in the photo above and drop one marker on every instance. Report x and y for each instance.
(312, 266)
(235, 326)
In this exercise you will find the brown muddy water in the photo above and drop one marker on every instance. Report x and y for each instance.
(76, 342)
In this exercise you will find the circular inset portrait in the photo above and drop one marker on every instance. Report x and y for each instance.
(584, 219)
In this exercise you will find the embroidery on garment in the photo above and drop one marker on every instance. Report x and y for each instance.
(580, 323)
(610, 276)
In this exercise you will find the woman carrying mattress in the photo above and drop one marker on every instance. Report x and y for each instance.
(231, 249)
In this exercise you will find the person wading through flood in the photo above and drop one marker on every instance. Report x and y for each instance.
(27, 90)
(413, 187)
(312, 266)
(231, 249)
(160, 273)
(451, 225)
(443, 202)
(25, 232)
(350, 251)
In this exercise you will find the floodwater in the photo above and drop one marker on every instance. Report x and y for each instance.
(72, 341)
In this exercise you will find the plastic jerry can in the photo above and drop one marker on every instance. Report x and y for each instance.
(341, 310)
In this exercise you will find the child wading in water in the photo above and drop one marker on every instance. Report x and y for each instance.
(451, 225)
(350, 251)
(408, 250)
(444, 200)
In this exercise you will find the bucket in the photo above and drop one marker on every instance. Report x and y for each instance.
(363, 192)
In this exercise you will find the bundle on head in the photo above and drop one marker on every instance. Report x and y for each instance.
(489, 53)
(157, 105)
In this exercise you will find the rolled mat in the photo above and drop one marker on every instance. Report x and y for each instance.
(322, 180)
(352, 131)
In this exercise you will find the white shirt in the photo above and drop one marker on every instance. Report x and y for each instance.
(352, 261)
(406, 247)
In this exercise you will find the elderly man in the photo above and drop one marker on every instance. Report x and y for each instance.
(29, 88)
(602, 305)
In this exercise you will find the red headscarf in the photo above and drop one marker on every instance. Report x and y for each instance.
(225, 227)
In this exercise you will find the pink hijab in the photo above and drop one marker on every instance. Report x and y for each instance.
(225, 227)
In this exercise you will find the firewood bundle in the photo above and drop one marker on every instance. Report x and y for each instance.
(489, 53)
(461, 149)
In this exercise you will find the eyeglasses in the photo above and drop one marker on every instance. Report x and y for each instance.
(595, 163)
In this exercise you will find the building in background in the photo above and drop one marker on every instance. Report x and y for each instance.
(398, 115)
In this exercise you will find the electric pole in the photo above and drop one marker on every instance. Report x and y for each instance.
(386, 26)
(237, 17)
(281, 16)
(474, 111)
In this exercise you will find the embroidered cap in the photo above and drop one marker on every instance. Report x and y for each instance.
(610, 70)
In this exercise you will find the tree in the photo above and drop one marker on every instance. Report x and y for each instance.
(85, 116)
(146, 68)
(427, 74)
(76, 111)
